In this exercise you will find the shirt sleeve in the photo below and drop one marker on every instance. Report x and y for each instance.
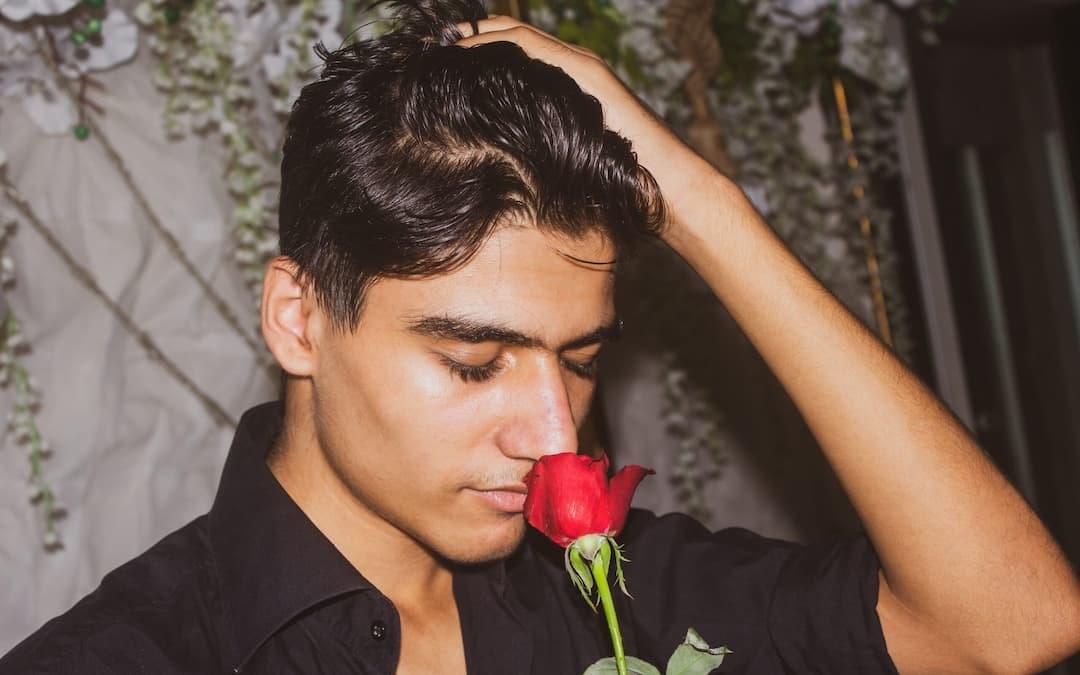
(782, 607)
(823, 616)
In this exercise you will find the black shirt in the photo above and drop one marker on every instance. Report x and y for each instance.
(253, 586)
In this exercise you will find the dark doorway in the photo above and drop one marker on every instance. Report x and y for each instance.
(1000, 108)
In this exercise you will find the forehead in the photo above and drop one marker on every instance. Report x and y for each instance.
(521, 278)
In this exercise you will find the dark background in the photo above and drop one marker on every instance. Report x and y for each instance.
(999, 103)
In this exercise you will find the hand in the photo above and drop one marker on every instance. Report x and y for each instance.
(586, 68)
(680, 172)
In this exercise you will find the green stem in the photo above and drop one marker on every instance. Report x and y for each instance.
(600, 576)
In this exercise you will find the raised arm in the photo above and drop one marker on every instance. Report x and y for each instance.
(971, 580)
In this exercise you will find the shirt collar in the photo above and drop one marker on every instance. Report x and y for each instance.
(272, 562)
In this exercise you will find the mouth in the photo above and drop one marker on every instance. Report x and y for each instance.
(506, 498)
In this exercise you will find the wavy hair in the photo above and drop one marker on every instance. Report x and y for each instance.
(408, 152)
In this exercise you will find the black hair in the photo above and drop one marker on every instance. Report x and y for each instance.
(408, 152)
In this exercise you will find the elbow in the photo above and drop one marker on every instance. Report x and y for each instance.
(1038, 646)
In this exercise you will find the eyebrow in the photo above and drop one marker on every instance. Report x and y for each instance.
(462, 329)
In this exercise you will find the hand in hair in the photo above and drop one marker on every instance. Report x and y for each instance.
(990, 572)
(679, 171)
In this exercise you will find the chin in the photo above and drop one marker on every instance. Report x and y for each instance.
(485, 546)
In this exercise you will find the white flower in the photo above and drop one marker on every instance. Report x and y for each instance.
(52, 539)
(803, 9)
(640, 11)
(836, 249)
(268, 245)
(254, 31)
(282, 106)
(802, 15)
(274, 65)
(244, 256)
(20, 10)
(50, 109)
(144, 14)
(238, 92)
(119, 42)
(15, 342)
(894, 71)
(642, 39)
(19, 61)
(25, 76)
(288, 45)
(227, 126)
(544, 18)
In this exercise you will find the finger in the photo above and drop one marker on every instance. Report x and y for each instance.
(509, 29)
(535, 44)
(492, 22)
(490, 25)
(519, 34)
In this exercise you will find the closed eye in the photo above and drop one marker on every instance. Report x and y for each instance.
(586, 370)
(471, 373)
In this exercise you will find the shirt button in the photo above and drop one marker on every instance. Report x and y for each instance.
(378, 629)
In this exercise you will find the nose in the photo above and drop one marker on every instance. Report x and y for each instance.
(543, 420)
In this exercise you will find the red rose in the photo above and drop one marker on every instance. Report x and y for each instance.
(570, 496)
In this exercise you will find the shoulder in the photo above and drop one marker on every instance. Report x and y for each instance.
(151, 614)
(727, 567)
(677, 538)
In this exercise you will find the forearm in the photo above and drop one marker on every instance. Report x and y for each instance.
(958, 545)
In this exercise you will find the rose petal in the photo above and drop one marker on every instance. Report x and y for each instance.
(567, 492)
(621, 492)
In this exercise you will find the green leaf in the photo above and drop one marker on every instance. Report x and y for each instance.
(695, 657)
(634, 666)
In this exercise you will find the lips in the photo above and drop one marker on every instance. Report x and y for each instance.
(508, 499)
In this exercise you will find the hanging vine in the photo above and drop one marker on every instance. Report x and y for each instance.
(733, 76)
(22, 419)
(738, 78)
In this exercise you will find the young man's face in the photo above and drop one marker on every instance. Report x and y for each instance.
(436, 407)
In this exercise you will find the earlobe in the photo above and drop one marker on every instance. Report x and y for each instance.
(285, 317)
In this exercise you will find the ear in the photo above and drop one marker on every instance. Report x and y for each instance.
(287, 317)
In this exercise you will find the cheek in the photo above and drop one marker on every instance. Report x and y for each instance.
(415, 401)
(579, 392)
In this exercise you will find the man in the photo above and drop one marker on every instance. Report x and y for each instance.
(450, 213)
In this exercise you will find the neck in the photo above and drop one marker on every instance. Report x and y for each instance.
(403, 570)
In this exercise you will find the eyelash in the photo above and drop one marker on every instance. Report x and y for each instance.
(487, 371)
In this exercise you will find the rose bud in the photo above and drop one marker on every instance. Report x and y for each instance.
(570, 496)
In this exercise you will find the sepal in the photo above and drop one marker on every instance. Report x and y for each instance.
(580, 574)
(619, 560)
